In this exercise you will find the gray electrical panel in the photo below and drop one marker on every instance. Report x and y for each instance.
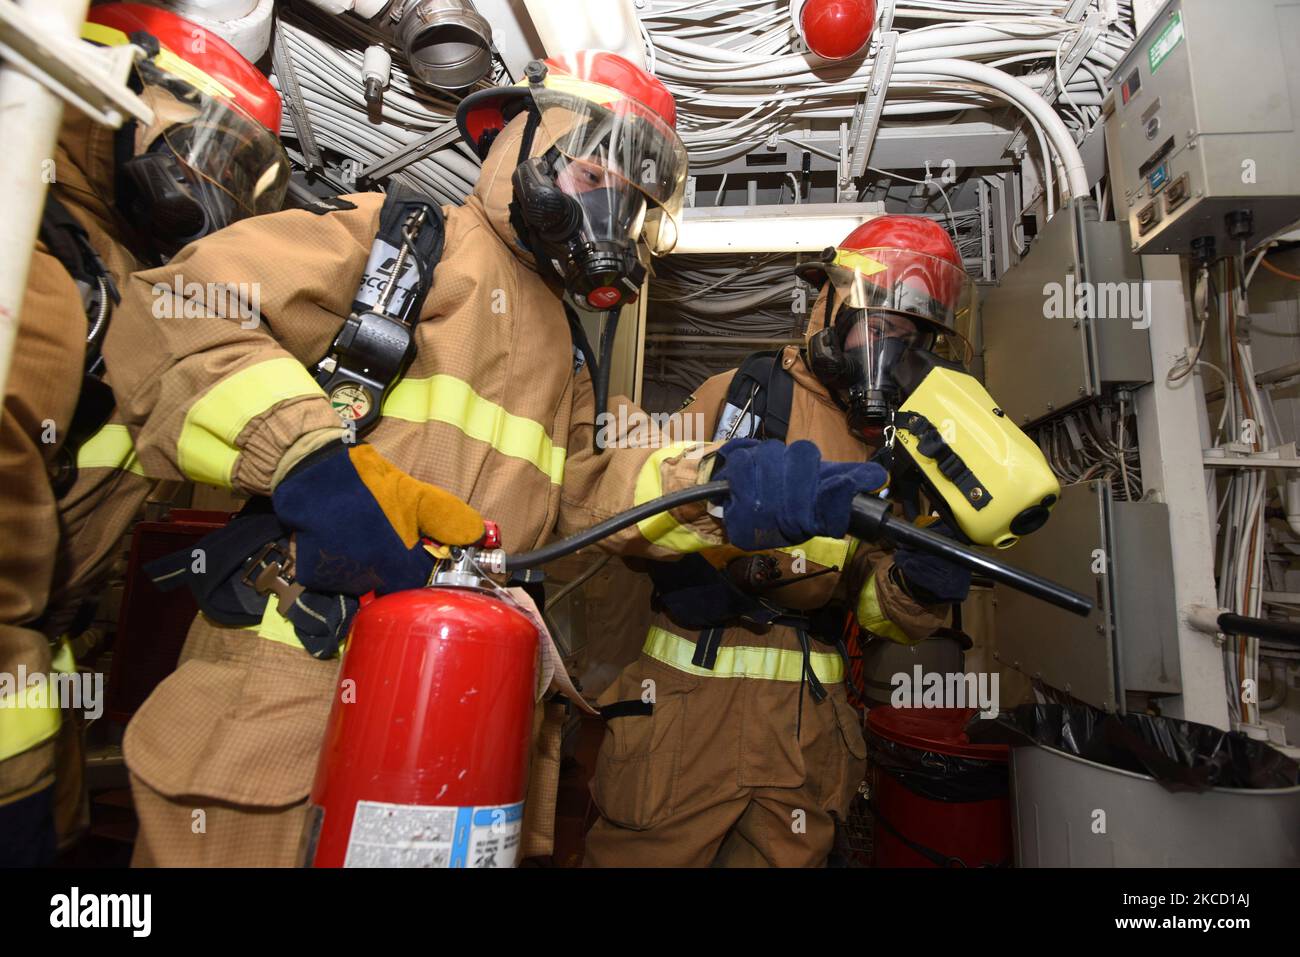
(1204, 120)
(1118, 552)
(1067, 323)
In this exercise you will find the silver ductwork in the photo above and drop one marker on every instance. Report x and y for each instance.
(448, 43)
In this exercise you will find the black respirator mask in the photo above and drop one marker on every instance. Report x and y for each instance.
(855, 357)
(168, 205)
(586, 237)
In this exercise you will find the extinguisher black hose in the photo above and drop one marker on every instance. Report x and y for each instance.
(600, 374)
(870, 520)
(567, 546)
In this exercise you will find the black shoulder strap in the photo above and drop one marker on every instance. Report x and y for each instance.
(763, 388)
(68, 242)
(377, 343)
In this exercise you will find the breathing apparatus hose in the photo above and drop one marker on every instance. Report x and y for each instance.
(600, 374)
(871, 520)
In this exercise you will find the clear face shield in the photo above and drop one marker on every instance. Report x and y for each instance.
(614, 179)
(886, 303)
(202, 164)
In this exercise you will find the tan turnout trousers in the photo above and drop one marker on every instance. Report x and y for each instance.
(737, 763)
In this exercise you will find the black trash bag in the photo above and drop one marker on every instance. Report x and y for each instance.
(938, 777)
(1181, 755)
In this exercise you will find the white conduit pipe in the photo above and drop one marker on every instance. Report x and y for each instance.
(30, 116)
(567, 26)
(703, 60)
(1058, 134)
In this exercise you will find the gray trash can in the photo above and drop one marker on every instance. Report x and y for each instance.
(1056, 798)
(883, 659)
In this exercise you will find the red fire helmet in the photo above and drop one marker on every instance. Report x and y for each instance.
(191, 52)
(607, 116)
(903, 264)
(595, 75)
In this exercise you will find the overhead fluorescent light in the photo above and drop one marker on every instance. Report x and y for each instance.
(807, 227)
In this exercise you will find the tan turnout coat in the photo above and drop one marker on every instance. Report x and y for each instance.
(55, 554)
(733, 765)
(491, 409)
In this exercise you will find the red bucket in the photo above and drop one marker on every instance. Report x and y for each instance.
(936, 799)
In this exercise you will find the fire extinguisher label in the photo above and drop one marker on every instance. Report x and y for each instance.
(412, 835)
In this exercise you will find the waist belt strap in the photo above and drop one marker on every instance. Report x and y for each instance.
(214, 568)
(815, 687)
(809, 677)
(742, 661)
(219, 571)
(698, 596)
(706, 649)
(626, 709)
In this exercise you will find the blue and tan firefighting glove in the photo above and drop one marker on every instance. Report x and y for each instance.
(929, 579)
(785, 494)
(358, 520)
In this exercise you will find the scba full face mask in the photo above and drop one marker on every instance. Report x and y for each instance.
(856, 357)
(583, 223)
(883, 303)
(612, 180)
(601, 173)
(201, 166)
(212, 154)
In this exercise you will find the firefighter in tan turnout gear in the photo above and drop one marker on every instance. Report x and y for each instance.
(486, 406)
(733, 731)
(72, 484)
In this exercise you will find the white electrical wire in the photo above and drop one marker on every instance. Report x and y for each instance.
(330, 78)
(740, 80)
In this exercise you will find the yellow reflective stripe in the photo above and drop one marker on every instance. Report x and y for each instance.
(597, 93)
(860, 262)
(742, 661)
(165, 60)
(663, 529)
(206, 451)
(274, 626)
(63, 661)
(104, 36)
(873, 618)
(109, 448)
(28, 717)
(446, 399)
(827, 552)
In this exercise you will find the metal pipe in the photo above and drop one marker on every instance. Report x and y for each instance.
(722, 340)
(567, 26)
(1023, 96)
(1277, 676)
(1220, 621)
(30, 116)
(447, 42)
(1271, 377)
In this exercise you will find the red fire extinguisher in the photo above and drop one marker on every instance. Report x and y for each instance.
(425, 758)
